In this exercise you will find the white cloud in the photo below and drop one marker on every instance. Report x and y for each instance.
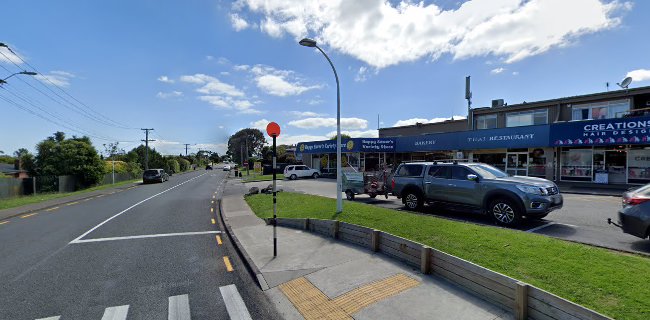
(241, 67)
(219, 148)
(224, 73)
(515, 73)
(639, 75)
(166, 95)
(302, 114)
(413, 121)
(497, 70)
(165, 79)
(314, 102)
(357, 133)
(361, 74)
(260, 124)
(212, 85)
(57, 78)
(384, 33)
(220, 102)
(238, 23)
(209, 58)
(279, 82)
(346, 123)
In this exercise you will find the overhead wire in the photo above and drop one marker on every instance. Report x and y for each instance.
(87, 112)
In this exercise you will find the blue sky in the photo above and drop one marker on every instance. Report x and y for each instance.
(198, 71)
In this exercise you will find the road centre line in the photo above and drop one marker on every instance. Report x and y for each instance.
(3, 222)
(213, 222)
(218, 237)
(131, 207)
(160, 235)
(28, 215)
(72, 203)
(51, 209)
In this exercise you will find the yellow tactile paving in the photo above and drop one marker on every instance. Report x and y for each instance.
(314, 304)
(311, 302)
(361, 297)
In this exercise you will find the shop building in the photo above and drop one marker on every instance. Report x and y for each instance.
(358, 154)
(595, 138)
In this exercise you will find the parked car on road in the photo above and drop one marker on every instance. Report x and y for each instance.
(226, 167)
(634, 217)
(294, 172)
(475, 187)
(154, 175)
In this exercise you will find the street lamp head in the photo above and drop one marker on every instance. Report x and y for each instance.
(307, 42)
(29, 73)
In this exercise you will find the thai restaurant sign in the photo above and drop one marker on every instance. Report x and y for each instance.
(601, 132)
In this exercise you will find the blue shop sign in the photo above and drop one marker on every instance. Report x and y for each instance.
(348, 145)
(601, 132)
(517, 137)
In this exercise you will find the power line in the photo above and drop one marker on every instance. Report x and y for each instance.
(107, 121)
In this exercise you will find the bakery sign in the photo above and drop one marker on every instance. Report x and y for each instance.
(601, 132)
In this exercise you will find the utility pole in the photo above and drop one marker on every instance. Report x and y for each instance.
(247, 157)
(468, 96)
(186, 144)
(146, 147)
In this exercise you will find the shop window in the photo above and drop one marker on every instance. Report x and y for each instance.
(639, 166)
(527, 118)
(537, 165)
(601, 110)
(497, 160)
(488, 121)
(576, 164)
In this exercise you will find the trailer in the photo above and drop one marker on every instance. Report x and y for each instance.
(372, 183)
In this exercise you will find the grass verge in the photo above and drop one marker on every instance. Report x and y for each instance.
(25, 200)
(609, 282)
(266, 177)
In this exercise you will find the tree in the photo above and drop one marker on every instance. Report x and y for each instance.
(137, 154)
(237, 143)
(58, 156)
(343, 136)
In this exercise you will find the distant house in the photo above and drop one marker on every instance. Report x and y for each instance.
(13, 170)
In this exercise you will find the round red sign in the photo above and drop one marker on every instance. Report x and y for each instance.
(273, 129)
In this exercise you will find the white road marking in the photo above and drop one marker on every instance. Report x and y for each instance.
(116, 313)
(50, 318)
(179, 308)
(234, 303)
(551, 224)
(146, 236)
(131, 207)
(541, 227)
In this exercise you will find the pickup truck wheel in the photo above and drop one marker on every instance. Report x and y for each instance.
(349, 195)
(413, 200)
(505, 212)
(315, 175)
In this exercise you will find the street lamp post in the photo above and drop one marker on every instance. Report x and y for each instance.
(29, 73)
(339, 188)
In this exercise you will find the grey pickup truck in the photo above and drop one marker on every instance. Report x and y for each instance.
(475, 187)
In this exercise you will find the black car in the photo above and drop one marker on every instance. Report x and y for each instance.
(154, 175)
(634, 217)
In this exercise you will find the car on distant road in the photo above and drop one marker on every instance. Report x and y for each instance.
(634, 216)
(208, 167)
(475, 187)
(154, 175)
(226, 167)
(294, 172)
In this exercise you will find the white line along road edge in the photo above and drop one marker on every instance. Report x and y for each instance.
(131, 207)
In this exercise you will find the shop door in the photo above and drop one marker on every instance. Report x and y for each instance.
(615, 163)
(517, 163)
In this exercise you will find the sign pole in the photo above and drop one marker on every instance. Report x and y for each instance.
(275, 205)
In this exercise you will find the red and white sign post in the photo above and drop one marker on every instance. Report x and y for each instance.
(273, 130)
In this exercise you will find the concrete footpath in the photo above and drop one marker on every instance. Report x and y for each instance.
(314, 277)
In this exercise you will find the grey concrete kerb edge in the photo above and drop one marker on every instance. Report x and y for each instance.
(248, 262)
(522, 299)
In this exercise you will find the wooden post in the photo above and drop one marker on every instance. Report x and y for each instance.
(335, 229)
(306, 226)
(374, 240)
(521, 301)
(425, 260)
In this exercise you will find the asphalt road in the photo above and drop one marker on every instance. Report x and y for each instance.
(150, 251)
(583, 218)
